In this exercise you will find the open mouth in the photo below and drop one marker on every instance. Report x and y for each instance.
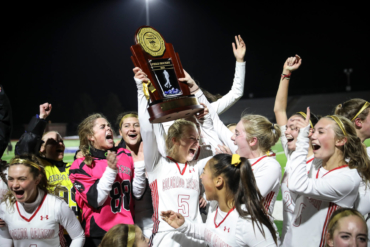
(192, 151)
(315, 147)
(290, 139)
(18, 193)
(109, 136)
(60, 150)
(132, 136)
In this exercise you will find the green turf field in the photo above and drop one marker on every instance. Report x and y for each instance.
(278, 149)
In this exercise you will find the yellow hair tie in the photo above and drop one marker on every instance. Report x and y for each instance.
(131, 235)
(361, 110)
(235, 160)
(127, 116)
(305, 116)
(340, 124)
(23, 161)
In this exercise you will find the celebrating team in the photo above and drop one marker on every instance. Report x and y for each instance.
(192, 182)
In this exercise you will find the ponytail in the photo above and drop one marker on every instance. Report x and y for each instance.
(243, 187)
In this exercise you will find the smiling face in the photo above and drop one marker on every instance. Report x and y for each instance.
(53, 146)
(187, 145)
(291, 132)
(22, 184)
(208, 182)
(351, 231)
(323, 139)
(130, 131)
(103, 135)
(365, 127)
(240, 139)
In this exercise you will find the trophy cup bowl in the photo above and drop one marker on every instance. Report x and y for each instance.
(170, 98)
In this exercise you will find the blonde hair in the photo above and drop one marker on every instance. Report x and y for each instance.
(353, 149)
(176, 130)
(85, 130)
(260, 127)
(351, 107)
(118, 236)
(338, 215)
(36, 169)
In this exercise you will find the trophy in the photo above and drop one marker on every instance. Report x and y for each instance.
(170, 98)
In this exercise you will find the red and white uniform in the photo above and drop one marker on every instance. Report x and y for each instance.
(267, 172)
(174, 186)
(39, 223)
(320, 193)
(104, 194)
(227, 229)
(288, 196)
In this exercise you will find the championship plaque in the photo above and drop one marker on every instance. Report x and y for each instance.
(170, 98)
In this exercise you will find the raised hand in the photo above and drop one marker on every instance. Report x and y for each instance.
(302, 123)
(240, 49)
(173, 219)
(223, 150)
(191, 83)
(292, 63)
(139, 74)
(112, 160)
(45, 110)
(201, 114)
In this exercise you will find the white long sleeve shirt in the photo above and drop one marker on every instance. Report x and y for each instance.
(320, 193)
(227, 229)
(236, 92)
(174, 186)
(38, 223)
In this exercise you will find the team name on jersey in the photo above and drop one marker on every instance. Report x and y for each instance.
(124, 169)
(178, 182)
(58, 177)
(213, 239)
(35, 233)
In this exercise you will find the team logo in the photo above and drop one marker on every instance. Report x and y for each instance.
(151, 41)
(79, 187)
(226, 229)
(46, 217)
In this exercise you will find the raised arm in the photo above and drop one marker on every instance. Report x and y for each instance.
(31, 140)
(151, 152)
(332, 188)
(291, 64)
(237, 89)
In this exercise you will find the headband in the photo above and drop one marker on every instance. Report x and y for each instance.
(23, 161)
(361, 110)
(131, 235)
(127, 116)
(305, 116)
(340, 124)
(235, 160)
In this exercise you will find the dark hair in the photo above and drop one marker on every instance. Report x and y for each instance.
(243, 189)
(211, 97)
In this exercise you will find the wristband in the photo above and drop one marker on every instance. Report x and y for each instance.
(284, 76)
(194, 90)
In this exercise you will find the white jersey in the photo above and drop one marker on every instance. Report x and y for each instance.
(174, 186)
(43, 227)
(227, 229)
(3, 185)
(320, 193)
(144, 212)
(267, 172)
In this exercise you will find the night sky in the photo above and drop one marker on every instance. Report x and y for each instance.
(69, 54)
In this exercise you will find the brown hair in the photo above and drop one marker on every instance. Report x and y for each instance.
(260, 127)
(338, 215)
(243, 190)
(85, 129)
(44, 142)
(210, 97)
(351, 107)
(117, 236)
(176, 130)
(353, 149)
(34, 164)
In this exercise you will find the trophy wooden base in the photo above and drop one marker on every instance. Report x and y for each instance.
(173, 109)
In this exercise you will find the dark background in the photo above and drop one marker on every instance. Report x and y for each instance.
(75, 54)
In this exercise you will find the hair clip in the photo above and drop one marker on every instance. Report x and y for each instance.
(235, 160)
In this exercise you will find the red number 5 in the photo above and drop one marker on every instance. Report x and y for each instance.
(184, 205)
